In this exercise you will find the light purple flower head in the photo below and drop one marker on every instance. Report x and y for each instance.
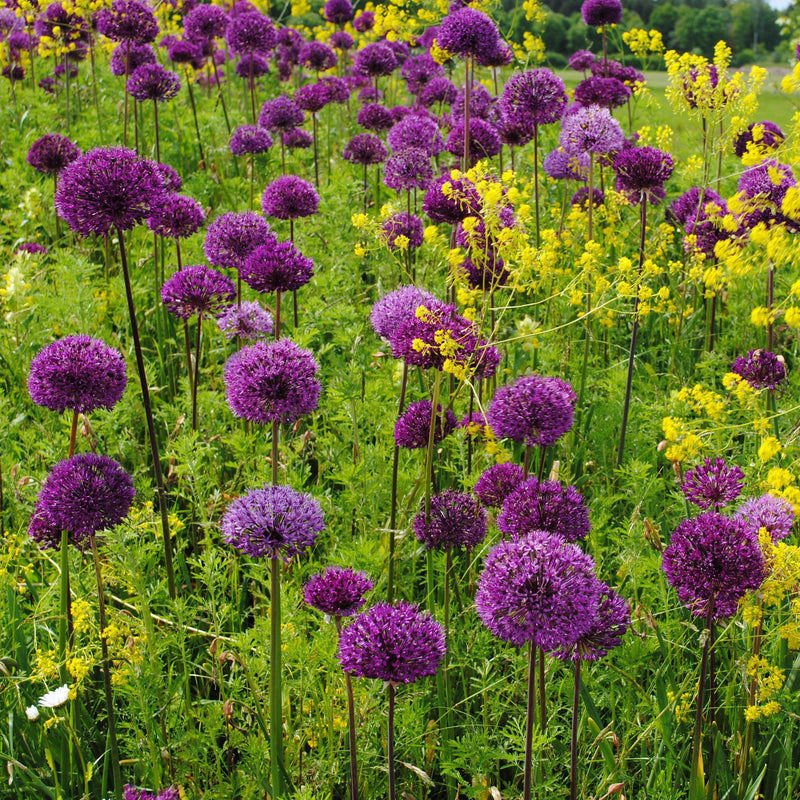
(394, 307)
(561, 165)
(497, 482)
(248, 139)
(248, 322)
(128, 21)
(597, 13)
(591, 130)
(233, 236)
(290, 197)
(455, 520)
(642, 172)
(713, 484)
(278, 267)
(413, 426)
(534, 97)
(337, 592)
(762, 369)
(153, 82)
(468, 32)
(51, 153)
(770, 512)
(176, 217)
(197, 290)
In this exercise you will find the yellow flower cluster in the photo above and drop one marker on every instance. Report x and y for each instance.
(769, 680)
(642, 43)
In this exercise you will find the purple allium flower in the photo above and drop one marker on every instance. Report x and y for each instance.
(703, 221)
(338, 11)
(132, 793)
(183, 51)
(484, 141)
(497, 482)
(197, 290)
(376, 60)
(762, 369)
(712, 561)
(32, 247)
(534, 97)
(396, 306)
(280, 114)
(770, 136)
(439, 90)
(82, 495)
(602, 91)
(419, 71)
(393, 643)
(205, 22)
(337, 592)
(416, 131)
(713, 484)
(478, 240)
(374, 117)
(581, 60)
(312, 97)
(51, 153)
(591, 130)
(168, 178)
(108, 187)
(630, 76)
(468, 421)
(767, 511)
(501, 56)
(255, 64)
(128, 21)
(249, 322)
(49, 85)
(250, 139)
(278, 267)
(597, 13)
(455, 520)
(233, 236)
(337, 90)
(758, 183)
(408, 169)
(545, 506)
(296, 138)
(275, 521)
(176, 217)
(413, 426)
(342, 40)
(78, 373)
(272, 382)
(365, 148)
(153, 82)
(317, 56)
(403, 224)
(468, 32)
(581, 198)
(642, 172)
(609, 626)
(535, 409)
(451, 201)
(250, 33)
(364, 21)
(561, 165)
(538, 589)
(400, 49)
(290, 197)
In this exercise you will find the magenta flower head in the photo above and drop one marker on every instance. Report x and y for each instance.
(545, 506)
(597, 13)
(250, 33)
(581, 197)
(642, 172)
(197, 290)
(762, 369)
(153, 82)
(403, 224)
(280, 114)
(712, 561)
(414, 424)
(249, 321)
(365, 148)
(419, 71)
(250, 139)
(338, 11)
(82, 495)
(376, 60)
(176, 217)
(233, 236)
(561, 165)
(290, 197)
(713, 484)
(408, 169)
(396, 306)
(128, 21)
(132, 793)
(108, 187)
(337, 592)
(455, 520)
(770, 512)
(392, 643)
(277, 268)
(312, 97)
(415, 130)
(538, 589)
(255, 64)
(275, 521)
(535, 409)
(272, 382)
(497, 482)
(468, 32)
(535, 97)
(591, 130)
(51, 153)
(342, 40)
(701, 220)
(364, 21)
(77, 373)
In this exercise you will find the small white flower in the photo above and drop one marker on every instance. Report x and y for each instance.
(32, 713)
(55, 698)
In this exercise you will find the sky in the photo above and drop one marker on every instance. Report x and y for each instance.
(779, 4)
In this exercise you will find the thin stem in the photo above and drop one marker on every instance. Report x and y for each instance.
(542, 694)
(393, 511)
(697, 789)
(277, 315)
(390, 743)
(531, 714)
(188, 347)
(573, 746)
(591, 194)
(196, 370)
(194, 115)
(155, 121)
(73, 433)
(351, 726)
(316, 158)
(467, 101)
(252, 82)
(536, 178)
(275, 702)
(55, 189)
(219, 87)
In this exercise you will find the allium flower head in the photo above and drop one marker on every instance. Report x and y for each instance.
(406, 225)
(416, 130)
(255, 64)
(233, 236)
(365, 148)
(132, 793)
(176, 217)
(455, 520)
(468, 32)
(364, 21)
(153, 82)
(338, 592)
(408, 169)
(280, 114)
(205, 22)
(128, 21)
(392, 643)
(581, 197)
(197, 290)
(767, 511)
(642, 172)
(534, 97)
(394, 307)
(51, 153)
(77, 373)
(317, 56)
(249, 321)
(766, 135)
(250, 139)
(419, 71)
(451, 200)
(581, 60)
(275, 521)
(312, 97)
(702, 221)
(713, 484)
(762, 369)
(591, 130)
(597, 13)
(376, 59)
(481, 103)
(439, 90)
(561, 165)
(108, 187)
(767, 181)
(184, 51)
(250, 33)
(82, 495)
(290, 197)
(535, 409)
(414, 424)
(497, 482)
(713, 559)
(297, 138)
(272, 382)
(279, 267)
(601, 90)
(374, 117)
(538, 589)
(484, 141)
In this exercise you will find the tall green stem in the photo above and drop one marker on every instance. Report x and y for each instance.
(393, 510)
(351, 726)
(390, 743)
(530, 718)
(697, 783)
(275, 697)
(573, 745)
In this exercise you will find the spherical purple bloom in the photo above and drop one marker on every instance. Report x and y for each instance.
(278, 267)
(365, 148)
(501, 56)
(176, 217)
(184, 51)
(393, 643)
(249, 321)
(374, 117)
(51, 153)
(704, 225)
(77, 373)
(485, 270)
(581, 198)
(561, 165)
(545, 506)
(403, 224)
(468, 32)
(762, 369)
(49, 85)
(336, 88)
(369, 94)
(275, 521)
(108, 187)
(337, 592)
(376, 60)
(272, 382)
(712, 561)
(538, 589)
(630, 76)
(413, 426)
(168, 178)
(408, 169)
(483, 139)
(416, 131)
(534, 97)
(481, 103)
(128, 21)
(342, 40)
(250, 33)
(455, 520)
(205, 22)
(252, 64)
(338, 11)
(591, 130)
(497, 482)
(771, 137)
(296, 138)
(396, 306)
(153, 82)
(250, 139)
(317, 56)
(197, 290)
(364, 21)
(439, 90)
(419, 71)
(290, 197)
(602, 12)
(713, 484)
(82, 495)
(767, 511)
(758, 183)
(312, 97)
(602, 91)
(233, 236)
(535, 409)
(581, 60)
(280, 114)
(642, 172)
(454, 205)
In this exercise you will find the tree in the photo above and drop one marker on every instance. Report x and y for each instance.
(698, 30)
(663, 19)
